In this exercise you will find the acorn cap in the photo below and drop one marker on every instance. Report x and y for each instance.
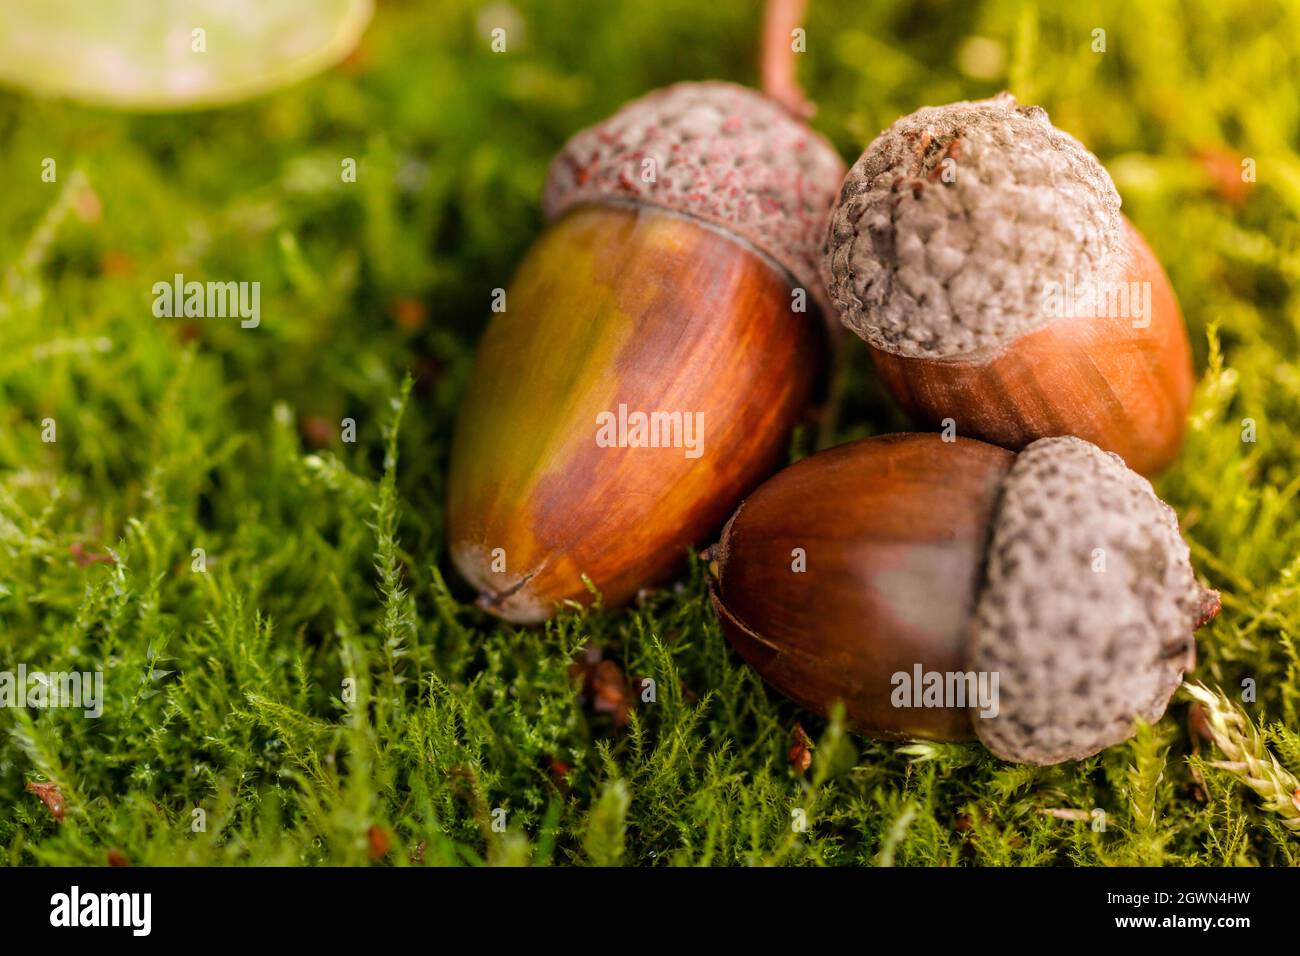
(1088, 606)
(720, 153)
(951, 224)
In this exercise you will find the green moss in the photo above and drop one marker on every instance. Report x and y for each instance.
(320, 679)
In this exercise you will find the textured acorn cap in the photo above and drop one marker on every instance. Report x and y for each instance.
(720, 153)
(952, 223)
(1088, 606)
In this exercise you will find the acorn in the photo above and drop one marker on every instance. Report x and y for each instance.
(982, 255)
(657, 346)
(946, 590)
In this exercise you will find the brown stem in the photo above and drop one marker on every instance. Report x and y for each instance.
(1211, 604)
(779, 79)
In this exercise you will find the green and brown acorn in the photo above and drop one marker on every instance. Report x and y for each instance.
(658, 344)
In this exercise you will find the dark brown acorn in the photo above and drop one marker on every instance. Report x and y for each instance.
(982, 255)
(1055, 576)
(658, 344)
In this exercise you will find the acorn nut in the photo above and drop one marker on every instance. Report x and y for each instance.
(982, 255)
(1055, 579)
(657, 346)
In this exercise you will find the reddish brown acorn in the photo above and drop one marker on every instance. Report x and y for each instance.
(656, 348)
(1054, 579)
(982, 255)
